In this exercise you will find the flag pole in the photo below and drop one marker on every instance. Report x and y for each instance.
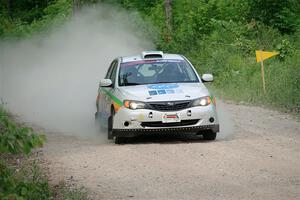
(262, 73)
(260, 57)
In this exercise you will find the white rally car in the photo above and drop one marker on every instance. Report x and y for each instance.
(155, 93)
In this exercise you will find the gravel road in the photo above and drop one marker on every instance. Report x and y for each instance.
(256, 156)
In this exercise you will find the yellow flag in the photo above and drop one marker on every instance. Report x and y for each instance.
(263, 55)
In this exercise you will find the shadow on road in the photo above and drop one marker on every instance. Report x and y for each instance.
(167, 139)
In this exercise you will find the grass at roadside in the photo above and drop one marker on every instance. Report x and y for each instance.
(21, 175)
(241, 82)
(223, 43)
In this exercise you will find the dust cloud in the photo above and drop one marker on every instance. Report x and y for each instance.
(52, 80)
(225, 121)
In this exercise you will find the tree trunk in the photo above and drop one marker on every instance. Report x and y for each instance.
(9, 8)
(168, 11)
(76, 5)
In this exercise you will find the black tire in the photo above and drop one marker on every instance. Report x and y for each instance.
(120, 140)
(209, 135)
(97, 120)
(98, 123)
(110, 125)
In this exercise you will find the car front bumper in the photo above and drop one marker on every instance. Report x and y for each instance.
(129, 123)
(173, 130)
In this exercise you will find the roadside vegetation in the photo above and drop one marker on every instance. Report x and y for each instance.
(21, 175)
(221, 36)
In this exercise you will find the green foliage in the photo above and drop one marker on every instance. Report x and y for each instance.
(143, 6)
(25, 180)
(285, 48)
(21, 186)
(27, 10)
(29, 22)
(282, 15)
(221, 37)
(15, 139)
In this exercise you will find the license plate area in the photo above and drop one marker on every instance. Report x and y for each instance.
(171, 118)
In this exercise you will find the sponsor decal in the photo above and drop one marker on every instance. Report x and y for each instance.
(161, 91)
(170, 91)
(163, 86)
(152, 92)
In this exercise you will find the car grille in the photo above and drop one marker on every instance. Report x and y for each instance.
(160, 124)
(170, 105)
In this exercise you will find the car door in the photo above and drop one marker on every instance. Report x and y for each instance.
(106, 92)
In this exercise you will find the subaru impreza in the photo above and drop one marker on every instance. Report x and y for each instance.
(155, 93)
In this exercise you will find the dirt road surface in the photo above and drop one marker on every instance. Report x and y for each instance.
(257, 158)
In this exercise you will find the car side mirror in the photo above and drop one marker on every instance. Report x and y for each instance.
(207, 78)
(105, 83)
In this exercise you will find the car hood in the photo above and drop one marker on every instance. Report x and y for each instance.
(164, 92)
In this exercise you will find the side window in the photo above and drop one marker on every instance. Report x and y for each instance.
(188, 72)
(114, 71)
(110, 69)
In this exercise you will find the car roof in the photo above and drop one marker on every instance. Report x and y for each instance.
(141, 56)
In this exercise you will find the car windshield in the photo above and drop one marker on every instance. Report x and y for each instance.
(156, 71)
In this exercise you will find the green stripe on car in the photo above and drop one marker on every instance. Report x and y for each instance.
(114, 98)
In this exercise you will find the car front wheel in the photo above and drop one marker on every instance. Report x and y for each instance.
(209, 135)
(121, 140)
(110, 125)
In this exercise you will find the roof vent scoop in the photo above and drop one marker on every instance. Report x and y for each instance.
(152, 54)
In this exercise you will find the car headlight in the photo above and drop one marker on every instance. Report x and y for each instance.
(134, 104)
(203, 101)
